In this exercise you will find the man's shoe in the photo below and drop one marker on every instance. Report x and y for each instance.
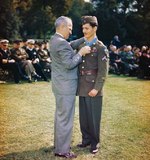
(46, 80)
(17, 82)
(82, 145)
(66, 155)
(29, 81)
(24, 77)
(94, 150)
(36, 77)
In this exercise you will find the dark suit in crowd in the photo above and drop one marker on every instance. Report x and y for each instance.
(33, 56)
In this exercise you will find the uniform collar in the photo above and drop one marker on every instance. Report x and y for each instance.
(93, 41)
(29, 48)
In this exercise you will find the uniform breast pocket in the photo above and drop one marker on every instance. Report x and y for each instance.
(95, 54)
(91, 78)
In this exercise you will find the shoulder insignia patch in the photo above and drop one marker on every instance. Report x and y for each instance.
(104, 58)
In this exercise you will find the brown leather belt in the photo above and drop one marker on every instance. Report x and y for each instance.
(88, 72)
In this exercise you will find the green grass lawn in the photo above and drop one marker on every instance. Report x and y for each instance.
(27, 121)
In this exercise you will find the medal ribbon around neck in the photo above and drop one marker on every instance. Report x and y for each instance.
(91, 42)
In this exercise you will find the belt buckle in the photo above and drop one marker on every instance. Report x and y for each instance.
(89, 73)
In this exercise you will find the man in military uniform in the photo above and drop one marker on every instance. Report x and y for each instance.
(92, 74)
(6, 62)
(33, 56)
(20, 56)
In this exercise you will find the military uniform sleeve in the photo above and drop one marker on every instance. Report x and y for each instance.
(103, 62)
(13, 55)
(1, 57)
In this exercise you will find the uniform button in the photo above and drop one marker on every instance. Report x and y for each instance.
(82, 66)
(93, 81)
(92, 55)
(83, 61)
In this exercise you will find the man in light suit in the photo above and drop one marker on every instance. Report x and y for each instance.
(64, 83)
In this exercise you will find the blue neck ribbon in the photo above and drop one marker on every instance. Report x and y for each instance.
(91, 42)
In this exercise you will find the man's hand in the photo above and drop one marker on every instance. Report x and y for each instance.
(85, 50)
(36, 61)
(93, 93)
(11, 61)
(48, 60)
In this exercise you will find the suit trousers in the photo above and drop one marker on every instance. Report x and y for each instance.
(64, 116)
(27, 67)
(90, 109)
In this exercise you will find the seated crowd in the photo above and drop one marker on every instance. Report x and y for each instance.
(131, 61)
(28, 60)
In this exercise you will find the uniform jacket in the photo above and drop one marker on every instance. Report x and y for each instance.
(16, 53)
(4, 55)
(64, 65)
(32, 53)
(43, 55)
(93, 69)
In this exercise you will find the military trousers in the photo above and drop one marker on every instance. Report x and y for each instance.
(90, 109)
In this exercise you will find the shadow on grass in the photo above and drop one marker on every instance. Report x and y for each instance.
(41, 154)
(45, 153)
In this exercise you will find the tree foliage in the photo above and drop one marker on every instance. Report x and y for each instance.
(39, 18)
(129, 19)
(79, 8)
(9, 21)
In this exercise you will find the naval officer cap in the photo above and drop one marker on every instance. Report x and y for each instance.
(4, 41)
(31, 41)
(89, 19)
